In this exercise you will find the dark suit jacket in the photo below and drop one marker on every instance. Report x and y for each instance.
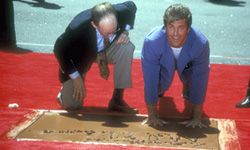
(76, 48)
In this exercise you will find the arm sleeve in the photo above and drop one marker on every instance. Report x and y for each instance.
(64, 56)
(151, 70)
(126, 14)
(200, 75)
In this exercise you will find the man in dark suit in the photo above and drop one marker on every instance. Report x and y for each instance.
(97, 35)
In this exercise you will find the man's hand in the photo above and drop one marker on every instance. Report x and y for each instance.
(193, 123)
(79, 89)
(154, 121)
(103, 65)
(123, 38)
(196, 121)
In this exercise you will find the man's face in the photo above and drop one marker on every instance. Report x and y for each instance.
(107, 26)
(177, 32)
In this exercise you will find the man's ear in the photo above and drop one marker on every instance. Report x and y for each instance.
(93, 24)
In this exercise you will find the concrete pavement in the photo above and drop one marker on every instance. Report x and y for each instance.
(225, 23)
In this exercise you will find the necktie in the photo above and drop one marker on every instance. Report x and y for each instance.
(102, 60)
(106, 43)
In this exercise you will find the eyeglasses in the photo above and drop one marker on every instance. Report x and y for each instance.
(117, 30)
(109, 34)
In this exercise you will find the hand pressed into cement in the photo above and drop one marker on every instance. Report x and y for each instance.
(193, 123)
(154, 121)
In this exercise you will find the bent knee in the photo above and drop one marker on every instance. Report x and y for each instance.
(128, 46)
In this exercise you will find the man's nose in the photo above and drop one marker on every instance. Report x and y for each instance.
(175, 32)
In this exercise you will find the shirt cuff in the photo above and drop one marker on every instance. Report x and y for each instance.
(127, 27)
(74, 75)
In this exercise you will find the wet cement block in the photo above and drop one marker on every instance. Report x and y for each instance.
(119, 129)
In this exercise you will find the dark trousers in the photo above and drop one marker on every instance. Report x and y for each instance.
(7, 28)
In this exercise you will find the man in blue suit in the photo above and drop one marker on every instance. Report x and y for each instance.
(175, 46)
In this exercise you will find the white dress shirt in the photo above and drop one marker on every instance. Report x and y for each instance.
(176, 52)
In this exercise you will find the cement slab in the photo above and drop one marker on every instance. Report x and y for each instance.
(120, 129)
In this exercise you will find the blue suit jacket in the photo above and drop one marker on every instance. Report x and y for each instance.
(158, 65)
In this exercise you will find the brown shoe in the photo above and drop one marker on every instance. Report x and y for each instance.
(121, 106)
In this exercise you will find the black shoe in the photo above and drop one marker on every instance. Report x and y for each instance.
(245, 103)
(121, 106)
